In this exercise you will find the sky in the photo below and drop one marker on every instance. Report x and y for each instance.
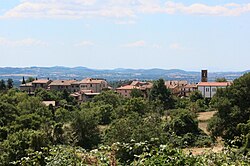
(106, 34)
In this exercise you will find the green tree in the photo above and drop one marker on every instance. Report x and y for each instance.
(30, 79)
(2, 85)
(136, 93)
(135, 127)
(138, 105)
(233, 105)
(223, 79)
(182, 122)
(161, 93)
(20, 143)
(108, 97)
(195, 95)
(85, 125)
(8, 113)
(9, 83)
(23, 82)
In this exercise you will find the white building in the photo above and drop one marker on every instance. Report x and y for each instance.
(209, 89)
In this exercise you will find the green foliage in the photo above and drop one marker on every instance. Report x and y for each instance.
(85, 125)
(19, 144)
(105, 113)
(29, 79)
(135, 127)
(223, 79)
(9, 83)
(165, 155)
(33, 134)
(233, 105)
(182, 122)
(136, 93)
(8, 113)
(136, 105)
(183, 130)
(159, 92)
(195, 95)
(182, 103)
(108, 97)
(2, 85)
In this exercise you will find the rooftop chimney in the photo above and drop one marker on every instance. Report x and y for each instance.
(203, 75)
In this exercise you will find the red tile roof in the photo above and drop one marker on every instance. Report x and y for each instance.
(191, 86)
(127, 87)
(91, 81)
(223, 84)
(41, 81)
(62, 82)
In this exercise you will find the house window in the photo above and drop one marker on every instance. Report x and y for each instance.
(207, 89)
(91, 85)
(214, 89)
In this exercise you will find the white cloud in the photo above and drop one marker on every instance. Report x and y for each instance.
(140, 43)
(22, 42)
(85, 44)
(231, 9)
(76, 9)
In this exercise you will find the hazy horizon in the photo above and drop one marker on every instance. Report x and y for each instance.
(209, 70)
(133, 34)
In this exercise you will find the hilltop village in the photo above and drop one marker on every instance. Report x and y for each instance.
(87, 88)
(96, 122)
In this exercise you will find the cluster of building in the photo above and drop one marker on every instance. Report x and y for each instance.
(81, 90)
(88, 88)
(180, 88)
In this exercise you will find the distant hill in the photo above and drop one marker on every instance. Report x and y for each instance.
(60, 72)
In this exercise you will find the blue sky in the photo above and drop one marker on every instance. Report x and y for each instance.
(106, 34)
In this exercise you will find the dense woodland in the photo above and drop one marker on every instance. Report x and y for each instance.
(112, 130)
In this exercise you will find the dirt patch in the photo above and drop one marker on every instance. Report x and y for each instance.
(199, 151)
(203, 127)
(205, 116)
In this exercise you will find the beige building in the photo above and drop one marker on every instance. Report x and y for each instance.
(84, 95)
(188, 89)
(28, 87)
(61, 85)
(95, 85)
(126, 90)
(36, 84)
(176, 87)
(41, 83)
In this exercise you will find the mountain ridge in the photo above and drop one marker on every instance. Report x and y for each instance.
(80, 72)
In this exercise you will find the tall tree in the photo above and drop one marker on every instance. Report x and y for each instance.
(159, 92)
(23, 82)
(9, 83)
(233, 105)
(2, 85)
